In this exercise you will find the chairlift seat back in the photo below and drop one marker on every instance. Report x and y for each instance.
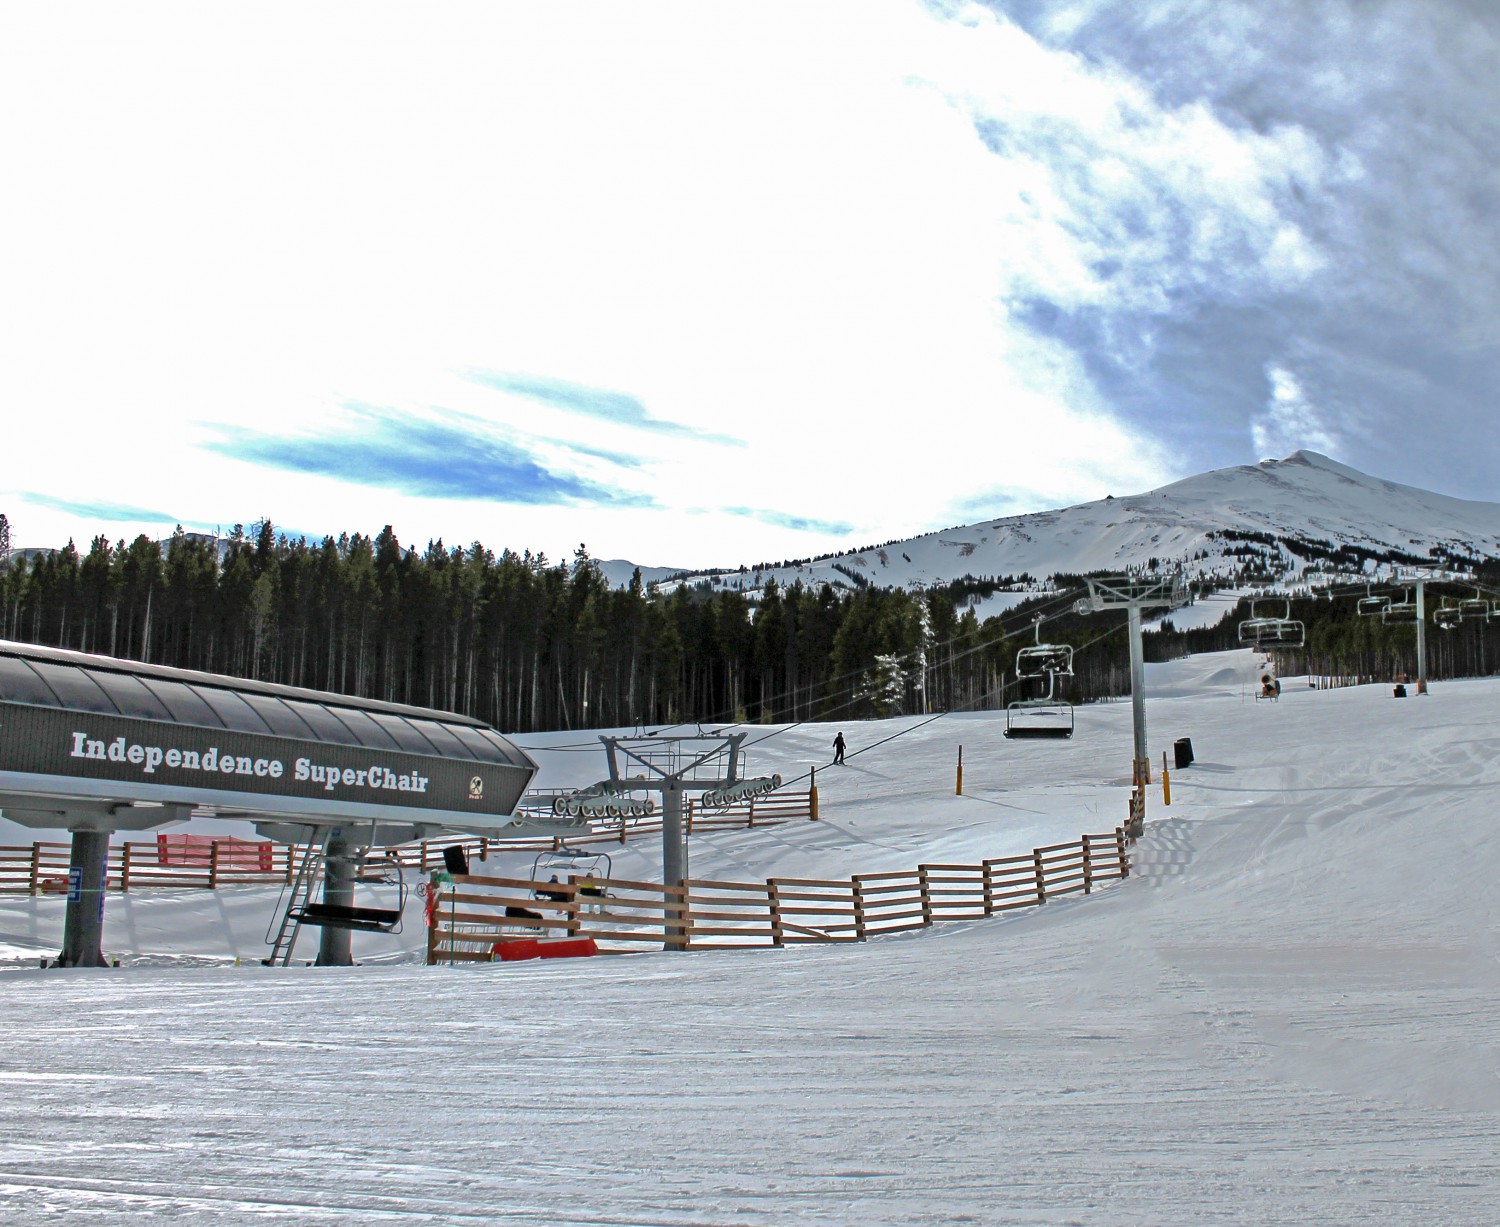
(1042, 659)
(1272, 633)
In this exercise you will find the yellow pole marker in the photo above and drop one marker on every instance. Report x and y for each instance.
(958, 787)
(1166, 787)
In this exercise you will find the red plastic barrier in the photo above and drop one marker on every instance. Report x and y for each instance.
(516, 949)
(245, 854)
(568, 948)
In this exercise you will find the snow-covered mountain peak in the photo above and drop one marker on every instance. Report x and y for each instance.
(1273, 521)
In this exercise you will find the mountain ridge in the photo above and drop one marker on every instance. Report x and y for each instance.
(1279, 519)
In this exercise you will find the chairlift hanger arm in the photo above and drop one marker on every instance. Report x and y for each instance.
(735, 740)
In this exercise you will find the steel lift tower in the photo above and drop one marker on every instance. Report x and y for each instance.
(1134, 594)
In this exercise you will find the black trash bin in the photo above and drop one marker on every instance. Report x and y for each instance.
(1182, 752)
(1400, 691)
(456, 861)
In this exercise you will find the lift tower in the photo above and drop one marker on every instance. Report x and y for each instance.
(1133, 594)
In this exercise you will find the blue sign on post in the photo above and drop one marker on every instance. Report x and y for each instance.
(75, 884)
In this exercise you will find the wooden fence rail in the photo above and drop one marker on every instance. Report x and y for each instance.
(211, 862)
(470, 914)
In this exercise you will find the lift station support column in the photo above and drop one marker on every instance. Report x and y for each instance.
(83, 923)
(336, 945)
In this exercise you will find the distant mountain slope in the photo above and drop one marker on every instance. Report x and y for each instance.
(1276, 519)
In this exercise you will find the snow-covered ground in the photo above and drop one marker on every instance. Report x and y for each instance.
(1283, 1016)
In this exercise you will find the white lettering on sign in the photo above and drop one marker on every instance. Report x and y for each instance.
(374, 776)
(304, 770)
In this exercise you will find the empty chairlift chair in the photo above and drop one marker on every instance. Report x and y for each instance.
(367, 869)
(1372, 606)
(1268, 632)
(1402, 612)
(1044, 715)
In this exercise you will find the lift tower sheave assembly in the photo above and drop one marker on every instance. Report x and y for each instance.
(1134, 594)
(707, 762)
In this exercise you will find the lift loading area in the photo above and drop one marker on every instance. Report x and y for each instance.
(95, 745)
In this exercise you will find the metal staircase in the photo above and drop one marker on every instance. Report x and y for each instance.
(298, 896)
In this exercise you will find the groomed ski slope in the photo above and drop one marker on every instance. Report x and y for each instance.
(1284, 1016)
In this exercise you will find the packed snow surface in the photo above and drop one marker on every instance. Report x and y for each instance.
(1284, 1016)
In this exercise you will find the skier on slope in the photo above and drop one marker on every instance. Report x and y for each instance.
(838, 748)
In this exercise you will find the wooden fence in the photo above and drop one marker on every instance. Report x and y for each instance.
(210, 862)
(42, 868)
(467, 915)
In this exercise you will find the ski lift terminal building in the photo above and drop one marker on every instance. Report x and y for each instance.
(96, 745)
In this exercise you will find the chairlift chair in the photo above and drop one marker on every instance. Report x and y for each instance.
(1038, 719)
(1401, 613)
(1272, 632)
(565, 864)
(360, 919)
(1370, 606)
(1446, 616)
(1044, 659)
(1046, 716)
(1475, 607)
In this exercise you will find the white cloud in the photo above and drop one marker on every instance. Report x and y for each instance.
(776, 222)
(1290, 421)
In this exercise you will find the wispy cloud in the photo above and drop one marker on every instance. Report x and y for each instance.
(1290, 420)
(96, 510)
(781, 519)
(451, 457)
(616, 407)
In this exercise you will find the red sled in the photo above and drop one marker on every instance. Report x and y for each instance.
(519, 948)
(567, 948)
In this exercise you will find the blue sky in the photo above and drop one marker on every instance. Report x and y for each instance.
(700, 283)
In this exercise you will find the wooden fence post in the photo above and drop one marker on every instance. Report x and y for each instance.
(213, 865)
(125, 868)
(677, 920)
(859, 907)
(1120, 850)
(1041, 876)
(989, 887)
(36, 865)
(1088, 868)
(773, 902)
(812, 797)
(926, 894)
(751, 822)
(575, 919)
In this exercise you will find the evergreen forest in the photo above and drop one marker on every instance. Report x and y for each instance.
(529, 645)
